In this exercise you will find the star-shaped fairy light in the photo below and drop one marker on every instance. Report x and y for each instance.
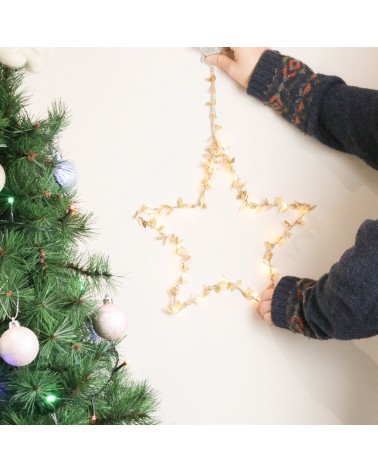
(217, 157)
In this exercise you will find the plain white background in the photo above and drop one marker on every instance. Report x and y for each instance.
(138, 132)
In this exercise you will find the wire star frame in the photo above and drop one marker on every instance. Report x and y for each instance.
(217, 157)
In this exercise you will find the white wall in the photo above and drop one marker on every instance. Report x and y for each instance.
(138, 131)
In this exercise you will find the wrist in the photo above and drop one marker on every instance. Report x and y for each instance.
(263, 73)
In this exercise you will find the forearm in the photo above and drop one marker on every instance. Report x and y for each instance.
(342, 304)
(340, 116)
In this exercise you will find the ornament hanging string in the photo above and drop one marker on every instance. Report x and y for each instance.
(12, 318)
(217, 157)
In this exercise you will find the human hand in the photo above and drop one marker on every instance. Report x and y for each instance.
(238, 63)
(265, 305)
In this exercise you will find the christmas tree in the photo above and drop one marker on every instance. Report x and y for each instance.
(54, 368)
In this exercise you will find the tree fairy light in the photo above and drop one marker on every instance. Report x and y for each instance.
(51, 398)
(217, 157)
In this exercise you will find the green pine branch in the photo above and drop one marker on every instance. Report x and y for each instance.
(51, 286)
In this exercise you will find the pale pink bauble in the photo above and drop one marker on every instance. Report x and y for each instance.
(19, 346)
(111, 322)
(2, 178)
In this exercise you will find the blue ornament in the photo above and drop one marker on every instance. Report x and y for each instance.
(93, 336)
(65, 173)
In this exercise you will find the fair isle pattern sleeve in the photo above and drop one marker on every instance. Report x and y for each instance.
(290, 92)
(288, 310)
(341, 116)
(288, 86)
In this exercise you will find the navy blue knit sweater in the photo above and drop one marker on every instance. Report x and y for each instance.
(343, 303)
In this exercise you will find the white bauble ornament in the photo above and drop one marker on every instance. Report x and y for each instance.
(19, 346)
(2, 178)
(33, 59)
(111, 322)
(65, 173)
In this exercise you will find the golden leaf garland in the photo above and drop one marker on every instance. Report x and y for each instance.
(215, 158)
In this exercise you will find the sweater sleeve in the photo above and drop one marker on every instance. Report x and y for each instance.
(340, 116)
(342, 304)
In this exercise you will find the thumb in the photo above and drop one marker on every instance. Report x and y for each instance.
(221, 61)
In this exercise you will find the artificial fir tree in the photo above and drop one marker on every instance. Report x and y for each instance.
(51, 288)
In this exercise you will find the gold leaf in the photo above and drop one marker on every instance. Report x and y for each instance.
(241, 195)
(268, 256)
(205, 293)
(152, 223)
(183, 251)
(142, 222)
(250, 294)
(174, 308)
(173, 291)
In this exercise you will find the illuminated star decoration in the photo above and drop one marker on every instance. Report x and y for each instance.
(217, 157)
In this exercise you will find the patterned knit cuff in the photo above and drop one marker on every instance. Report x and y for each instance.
(288, 302)
(262, 76)
(286, 85)
(283, 296)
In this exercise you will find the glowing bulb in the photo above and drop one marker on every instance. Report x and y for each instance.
(51, 398)
(11, 200)
(255, 296)
(284, 206)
